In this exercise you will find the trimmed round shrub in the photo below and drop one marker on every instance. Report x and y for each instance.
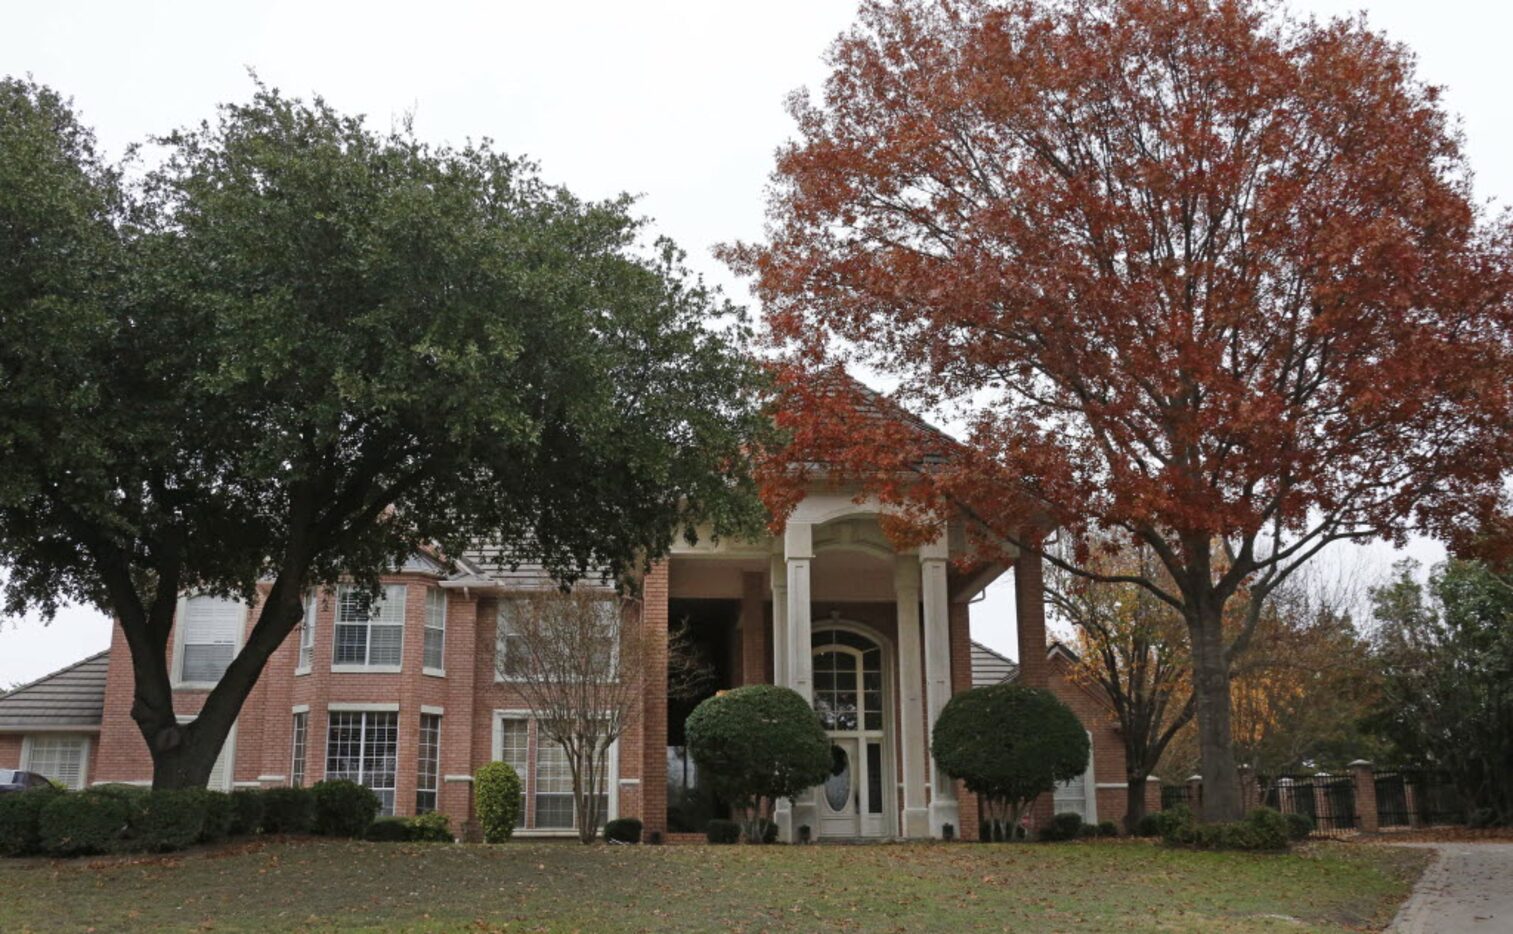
(722, 831)
(20, 817)
(623, 830)
(219, 813)
(1268, 829)
(496, 798)
(1064, 826)
(246, 812)
(756, 745)
(1107, 828)
(1149, 825)
(1299, 826)
(1010, 744)
(84, 824)
(389, 830)
(168, 820)
(344, 808)
(431, 828)
(1262, 829)
(287, 810)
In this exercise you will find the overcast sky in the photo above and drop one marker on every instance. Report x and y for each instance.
(679, 102)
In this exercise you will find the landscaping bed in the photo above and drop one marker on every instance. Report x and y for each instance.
(1123, 884)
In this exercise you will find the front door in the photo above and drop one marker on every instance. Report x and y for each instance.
(840, 795)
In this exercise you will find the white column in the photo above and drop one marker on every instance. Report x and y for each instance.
(779, 575)
(798, 552)
(911, 702)
(936, 599)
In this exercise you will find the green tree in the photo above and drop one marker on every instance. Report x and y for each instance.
(756, 745)
(299, 350)
(1010, 744)
(1446, 653)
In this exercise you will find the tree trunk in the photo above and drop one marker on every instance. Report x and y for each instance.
(1221, 779)
(1134, 801)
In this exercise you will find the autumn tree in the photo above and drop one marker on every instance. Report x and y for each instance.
(1131, 650)
(300, 350)
(1198, 276)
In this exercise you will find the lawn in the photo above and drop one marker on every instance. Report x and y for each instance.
(1089, 886)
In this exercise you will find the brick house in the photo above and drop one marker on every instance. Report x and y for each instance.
(408, 696)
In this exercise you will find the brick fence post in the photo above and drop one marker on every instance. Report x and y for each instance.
(1195, 794)
(1250, 797)
(1365, 795)
(1323, 805)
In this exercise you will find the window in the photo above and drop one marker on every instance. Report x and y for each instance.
(64, 759)
(301, 735)
(209, 628)
(509, 644)
(369, 633)
(436, 629)
(545, 778)
(428, 774)
(363, 746)
(307, 635)
(1079, 795)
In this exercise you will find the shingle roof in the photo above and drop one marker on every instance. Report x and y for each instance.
(988, 667)
(71, 697)
(506, 567)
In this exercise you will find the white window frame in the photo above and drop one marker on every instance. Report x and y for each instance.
(180, 630)
(367, 667)
(299, 752)
(420, 749)
(435, 596)
(228, 750)
(363, 710)
(304, 659)
(1089, 787)
(86, 743)
(528, 780)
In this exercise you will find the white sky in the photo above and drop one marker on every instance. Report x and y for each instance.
(681, 102)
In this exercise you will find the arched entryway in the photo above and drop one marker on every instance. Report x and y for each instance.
(851, 694)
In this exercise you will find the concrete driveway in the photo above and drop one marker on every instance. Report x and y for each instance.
(1469, 887)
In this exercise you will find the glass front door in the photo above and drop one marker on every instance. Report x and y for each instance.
(848, 696)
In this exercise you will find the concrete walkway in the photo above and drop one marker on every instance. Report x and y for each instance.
(1469, 887)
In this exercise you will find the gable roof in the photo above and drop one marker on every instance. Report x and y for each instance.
(989, 667)
(72, 697)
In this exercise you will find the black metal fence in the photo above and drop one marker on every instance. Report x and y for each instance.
(1417, 797)
(1327, 798)
(1173, 795)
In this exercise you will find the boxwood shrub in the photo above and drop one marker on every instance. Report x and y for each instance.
(344, 808)
(722, 831)
(431, 828)
(496, 796)
(623, 830)
(1262, 829)
(167, 820)
(287, 810)
(1299, 826)
(389, 830)
(20, 816)
(1064, 826)
(1149, 825)
(85, 823)
(246, 812)
(1107, 828)
(219, 813)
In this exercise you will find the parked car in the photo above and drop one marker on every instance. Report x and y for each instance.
(17, 780)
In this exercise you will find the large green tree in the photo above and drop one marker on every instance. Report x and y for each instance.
(298, 350)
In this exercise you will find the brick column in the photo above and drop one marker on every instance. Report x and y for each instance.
(1250, 794)
(1323, 804)
(753, 630)
(1195, 794)
(1365, 795)
(654, 707)
(1029, 620)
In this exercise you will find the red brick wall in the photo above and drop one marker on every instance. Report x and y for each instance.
(652, 737)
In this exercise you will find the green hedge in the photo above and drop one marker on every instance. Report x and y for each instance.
(425, 828)
(722, 831)
(85, 824)
(287, 810)
(1299, 826)
(220, 813)
(1262, 829)
(623, 830)
(246, 812)
(496, 797)
(344, 808)
(20, 815)
(167, 821)
(1064, 826)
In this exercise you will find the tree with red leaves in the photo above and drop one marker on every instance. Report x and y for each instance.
(1199, 275)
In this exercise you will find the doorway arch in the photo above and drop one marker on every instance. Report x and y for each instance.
(853, 696)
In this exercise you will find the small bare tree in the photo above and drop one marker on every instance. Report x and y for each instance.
(577, 667)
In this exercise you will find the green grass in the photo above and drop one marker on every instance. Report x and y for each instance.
(1090, 886)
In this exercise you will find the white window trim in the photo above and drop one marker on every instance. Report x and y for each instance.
(363, 744)
(348, 707)
(499, 676)
(352, 668)
(435, 672)
(611, 781)
(300, 708)
(307, 627)
(228, 748)
(179, 615)
(85, 740)
(433, 709)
